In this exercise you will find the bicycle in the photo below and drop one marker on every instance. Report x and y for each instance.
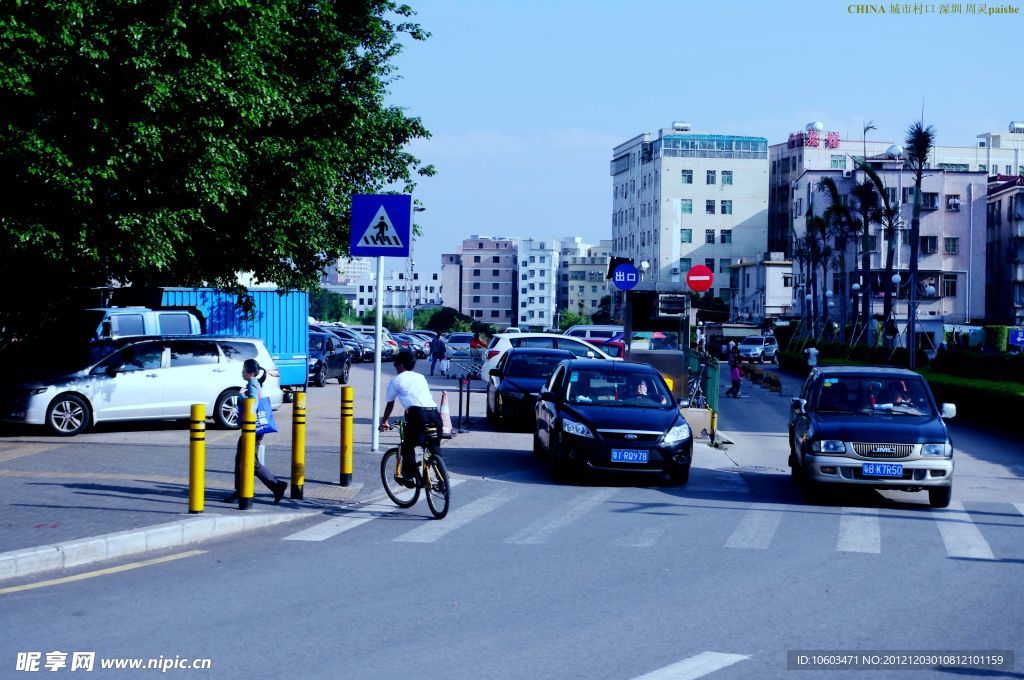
(695, 390)
(432, 475)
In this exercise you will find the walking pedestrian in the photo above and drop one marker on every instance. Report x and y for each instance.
(734, 391)
(812, 356)
(252, 390)
(437, 353)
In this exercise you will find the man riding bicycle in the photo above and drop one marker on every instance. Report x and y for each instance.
(412, 392)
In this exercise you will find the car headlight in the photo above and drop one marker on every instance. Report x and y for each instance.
(828, 446)
(678, 433)
(37, 390)
(578, 429)
(511, 394)
(944, 450)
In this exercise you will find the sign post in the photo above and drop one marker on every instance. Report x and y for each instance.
(381, 227)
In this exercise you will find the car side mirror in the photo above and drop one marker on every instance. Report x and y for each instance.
(949, 411)
(684, 403)
(590, 355)
(547, 395)
(799, 405)
(112, 370)
(495, 373)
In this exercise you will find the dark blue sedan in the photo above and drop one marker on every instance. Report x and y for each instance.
(514, 385)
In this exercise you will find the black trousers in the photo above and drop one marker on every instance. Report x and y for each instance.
(734, 391)
(262, 472)
(416, 421)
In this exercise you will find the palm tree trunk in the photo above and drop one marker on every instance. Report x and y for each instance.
(844, 288)
(890, 256)
(865, 265)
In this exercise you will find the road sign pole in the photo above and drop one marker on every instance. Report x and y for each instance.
(378, 322)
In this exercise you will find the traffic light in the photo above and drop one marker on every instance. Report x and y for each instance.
(673, 305)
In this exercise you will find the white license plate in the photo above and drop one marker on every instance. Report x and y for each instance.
(629, 456)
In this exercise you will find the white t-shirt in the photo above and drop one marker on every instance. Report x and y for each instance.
(812, 356)
(410, 388)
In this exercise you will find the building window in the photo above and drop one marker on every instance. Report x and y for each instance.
(687, 176)
(709, 262)
(726, 177)
(953, 202)
(929, 200)
(476, 258)
(687, 206)
(476, 285)
(726, 236)
(787, 280)
(711, 176)
(686, 235)
(532, 259)
(476, 272)
(891, 192)
(494, 286)
(951, 245)
(540, 314)
(494, 299)
(476, 298)
(929, 245)
(494, 313)
(709, 207)
(495, 272)
(982, 168)
(1009, 169)
(709, 236)
(723, 265)
(905, 237)
(838, 162)
(949, 285)
(726, 207)
(684, 264)
(908, 194)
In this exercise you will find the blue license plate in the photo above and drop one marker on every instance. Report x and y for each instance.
(629, 456)
(881, 470)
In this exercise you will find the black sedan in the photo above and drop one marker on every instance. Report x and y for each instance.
(514, 385)
(614, 416)
(327, 359)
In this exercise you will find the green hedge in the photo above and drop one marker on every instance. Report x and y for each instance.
(1000, 367)
(997, 337)
(995, 401)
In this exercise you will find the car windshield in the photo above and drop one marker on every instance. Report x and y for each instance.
(756, 342)
(316, 343)
(460, 339)
(608, 388)
(874, 396)
(532, 365)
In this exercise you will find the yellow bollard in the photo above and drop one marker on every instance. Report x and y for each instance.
(248, 453)
(197, 459)
(298, 445)
(714, 425)
(347, 410)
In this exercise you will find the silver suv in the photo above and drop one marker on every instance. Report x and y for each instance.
(759, 348)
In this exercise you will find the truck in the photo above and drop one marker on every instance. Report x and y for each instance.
(279, 318)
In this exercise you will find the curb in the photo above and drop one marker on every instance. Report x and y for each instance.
(85, 551)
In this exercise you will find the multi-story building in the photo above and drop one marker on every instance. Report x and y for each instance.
(951, 257)
(451, 280)
(489, 271)
(570, 246)
(538, 282)
(401, 292)
(682, 198)
(761, 289)
(348, 270)
(586, 275)
(816, 148)
(1004, 243)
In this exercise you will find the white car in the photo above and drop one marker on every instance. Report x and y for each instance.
(146, 378)
(501, 342)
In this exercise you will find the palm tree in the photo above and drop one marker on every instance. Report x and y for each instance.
(919, 143)
(801, 255)
(888, 216)
(840, 221)
(819, 251)
(863, 211)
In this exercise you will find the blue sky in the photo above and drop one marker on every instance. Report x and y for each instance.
(525, 100)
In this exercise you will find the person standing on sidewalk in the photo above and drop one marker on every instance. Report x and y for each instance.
(413, 393)
(437, 352)
(251, 369)
(734, 391)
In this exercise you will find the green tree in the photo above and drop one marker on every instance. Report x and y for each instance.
(919, 143)
(603, 314)
(570, 319)
(840, 222)
(710, 308)
(327, 306)
(393, 322)
(180, 143)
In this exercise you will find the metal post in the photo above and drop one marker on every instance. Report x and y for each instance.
(469, 390)
(378, 322)
(248, 453)
(197, 459)
(460, 405)
(347, 409)
(298, 445)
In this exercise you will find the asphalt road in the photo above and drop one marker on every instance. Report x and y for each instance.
(601, 579)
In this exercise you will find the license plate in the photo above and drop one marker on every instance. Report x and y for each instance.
(881, 470)
(629, 456)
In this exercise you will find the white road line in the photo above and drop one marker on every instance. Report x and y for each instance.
(695, 667)
(756, 530)
(859, 531)
(541, 530)
(374, 508)
(644, 539)
(459, 516)
(961, 536)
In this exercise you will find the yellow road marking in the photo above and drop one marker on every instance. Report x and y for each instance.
(100, 572)
(7, 454)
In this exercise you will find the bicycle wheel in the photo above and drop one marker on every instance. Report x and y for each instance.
(437, 487)
(400, 495)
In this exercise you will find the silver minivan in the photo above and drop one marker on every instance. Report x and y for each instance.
(593, 333)
(146, 378)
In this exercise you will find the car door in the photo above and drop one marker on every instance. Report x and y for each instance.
(801, 421)
(195, 375)
(129, 384)
(577, 348)
(494, 381)
(547, 410)
(335, 358)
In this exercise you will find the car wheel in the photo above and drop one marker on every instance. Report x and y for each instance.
(68, 415)
(560, 468)
(775, 358)
(492, 418)
(538, 448)
(680, 474)
(225, 411)
(760, 359)
(343, 378)
(940, 496)
(320, 378)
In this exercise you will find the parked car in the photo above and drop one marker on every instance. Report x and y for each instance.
(458, 344)
(875, 427)
(614, 346)
(502, 342)
(364, 343)
(414, 343)
(514, 384)
(759, 348)
(145, 378)
(327, 359)
(593, 333)
(389, 346)
(611, 415)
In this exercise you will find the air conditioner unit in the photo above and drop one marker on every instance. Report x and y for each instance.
(847, 173)
(675, 270)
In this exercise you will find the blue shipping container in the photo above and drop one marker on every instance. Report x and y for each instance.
(280, 319)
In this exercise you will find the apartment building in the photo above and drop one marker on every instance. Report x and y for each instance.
(348, 270)
(538, 282)
(761, 289)
(681, 198)
(451, 280)
(488, 270)
(584, 275)
(402, 290)
(1004, 245)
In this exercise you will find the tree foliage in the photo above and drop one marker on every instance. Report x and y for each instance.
(178, 143)
(570, 319)
(327, 306)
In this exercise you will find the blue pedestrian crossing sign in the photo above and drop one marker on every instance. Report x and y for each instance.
(381, 225)
(625, 277)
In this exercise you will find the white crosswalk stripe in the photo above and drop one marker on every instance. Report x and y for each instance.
(645, 538)
(459, 517)
(859, 531)
(959, 533)
(756, 529)
(1020, 507)
(543, 528)
(695, 667)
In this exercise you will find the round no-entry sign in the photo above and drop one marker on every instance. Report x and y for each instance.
(699, 278)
